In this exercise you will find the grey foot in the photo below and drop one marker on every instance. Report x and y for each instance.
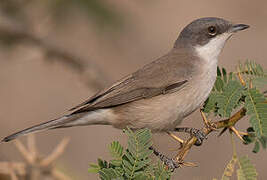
(170, 163)
(200, 135)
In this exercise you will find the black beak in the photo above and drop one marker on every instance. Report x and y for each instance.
(239, 27)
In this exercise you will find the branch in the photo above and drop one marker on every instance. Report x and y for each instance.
(207, 130)
(56, 153)
(36, 166)
(90, 72)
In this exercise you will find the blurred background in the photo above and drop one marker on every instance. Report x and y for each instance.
(56, 53)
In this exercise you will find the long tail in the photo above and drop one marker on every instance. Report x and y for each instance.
(62, 122)
(36, 128)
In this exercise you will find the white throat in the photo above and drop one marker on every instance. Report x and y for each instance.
(210, 51)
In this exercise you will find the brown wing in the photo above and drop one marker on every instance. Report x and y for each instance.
(165, 75)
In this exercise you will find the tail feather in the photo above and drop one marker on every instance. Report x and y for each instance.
(43, 126)
(80, 119)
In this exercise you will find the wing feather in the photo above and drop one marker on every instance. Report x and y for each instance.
(165, 75)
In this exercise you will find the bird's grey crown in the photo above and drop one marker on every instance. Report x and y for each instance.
(196, 33)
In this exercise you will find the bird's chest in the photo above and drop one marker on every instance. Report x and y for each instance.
(164, 112)
(195, 93)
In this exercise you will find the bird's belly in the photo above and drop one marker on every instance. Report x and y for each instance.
(163, 112)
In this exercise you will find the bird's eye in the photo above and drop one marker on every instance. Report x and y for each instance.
(212, 30)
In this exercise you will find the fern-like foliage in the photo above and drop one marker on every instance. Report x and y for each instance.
(232, 90)
(228, 99)
(132, 164)
(256, 108)
(116, 151)
(137, 154)
(225, 96)
(252, 138)
(253, 72)
(246, 171)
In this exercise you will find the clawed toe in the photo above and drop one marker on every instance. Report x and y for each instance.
(170, 163)
(200, 135)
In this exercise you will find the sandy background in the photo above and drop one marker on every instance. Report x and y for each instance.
(33, 91)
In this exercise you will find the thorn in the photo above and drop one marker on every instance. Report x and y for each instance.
(223, 131)
(24, 152)
(250, 84)
(32, 145)
(207, 123)
(189, 164)
(59, 175)
(243, 133)
(233, 129)
(56, 153)
(241, 79)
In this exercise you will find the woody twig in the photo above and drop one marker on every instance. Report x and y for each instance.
(207, 130)
(35, 166)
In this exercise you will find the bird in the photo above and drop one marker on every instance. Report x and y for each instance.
(161, 94)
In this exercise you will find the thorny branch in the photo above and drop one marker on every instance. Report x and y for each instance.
(178, 161)
(35, 166)
(207, 130)
(223, 124)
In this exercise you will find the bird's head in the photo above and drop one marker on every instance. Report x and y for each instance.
(207, 35)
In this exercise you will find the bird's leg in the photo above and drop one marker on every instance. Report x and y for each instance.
(176, 138)
(170, 163)
(193, 132)
(196, 132)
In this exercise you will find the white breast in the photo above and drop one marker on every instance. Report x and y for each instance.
(210, 51)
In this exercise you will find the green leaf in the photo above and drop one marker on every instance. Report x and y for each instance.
(161, 173)
(132, 164)
(210, 103)
(94, 168)
(136, 157)
(226, 94)
(256, 148)
(110, 174)
(247, 171)
(229, 98)
(251, 68)
(219, 74)
(116, 150)
(219, 84)
(253, 72)
(102, 163)
(263, 141)
(259, 81)
(252, 138)
(115, 162)
(256, 106)
(224, 75)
